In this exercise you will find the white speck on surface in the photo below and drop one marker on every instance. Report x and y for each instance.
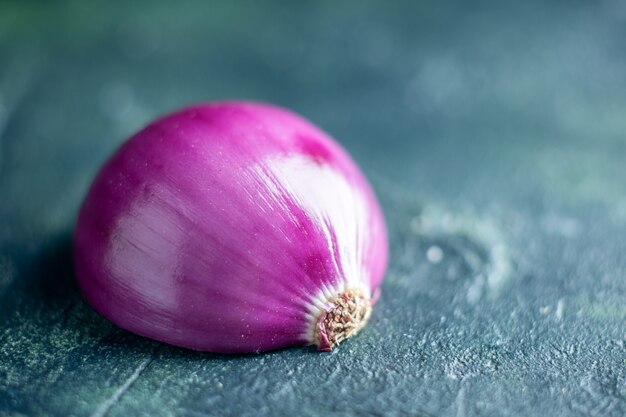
(434, 254)
(544, 310)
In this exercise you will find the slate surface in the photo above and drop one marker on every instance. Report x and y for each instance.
(494, 134)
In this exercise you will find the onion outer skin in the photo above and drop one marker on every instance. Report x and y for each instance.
(229, 227)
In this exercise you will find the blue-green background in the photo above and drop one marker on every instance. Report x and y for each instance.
(493, 132)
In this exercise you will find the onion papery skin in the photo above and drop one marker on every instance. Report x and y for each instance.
(228, 227)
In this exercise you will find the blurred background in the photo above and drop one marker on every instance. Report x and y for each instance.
(493, 132)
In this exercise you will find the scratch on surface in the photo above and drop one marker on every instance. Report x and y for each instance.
(104, 408)
(460, 402)
(560, 308)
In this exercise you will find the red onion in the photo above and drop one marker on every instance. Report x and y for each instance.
(232, 227)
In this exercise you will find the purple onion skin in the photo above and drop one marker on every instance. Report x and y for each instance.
(228, 227)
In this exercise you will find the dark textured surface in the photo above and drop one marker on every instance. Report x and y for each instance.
(495, 136)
